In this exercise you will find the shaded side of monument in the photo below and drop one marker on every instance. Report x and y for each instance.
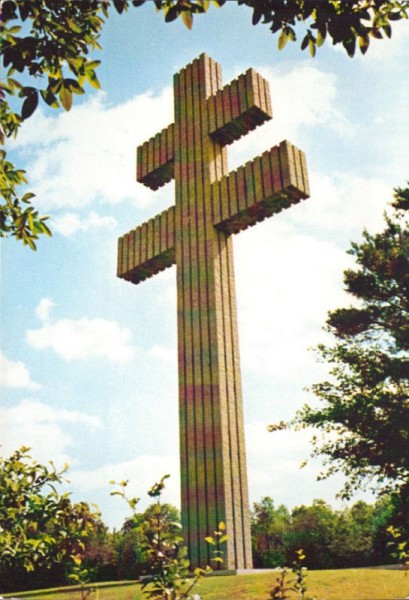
(211, 204)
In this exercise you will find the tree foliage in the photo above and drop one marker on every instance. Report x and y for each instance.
(349, 23)
(38, 526)
(47, 48)
(269, 526)
(43, 531)
(364, 410)
(312, 529)
(354, 536)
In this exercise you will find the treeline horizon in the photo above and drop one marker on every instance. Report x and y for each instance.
(353, 536)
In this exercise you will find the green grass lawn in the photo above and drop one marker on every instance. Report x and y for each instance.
(347, 584)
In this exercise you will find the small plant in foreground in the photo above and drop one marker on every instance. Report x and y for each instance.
(282, 586)
(81, 576)
(170, 578)
(220, 537)
(294, 580)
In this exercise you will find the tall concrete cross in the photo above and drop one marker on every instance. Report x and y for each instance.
(195, 233)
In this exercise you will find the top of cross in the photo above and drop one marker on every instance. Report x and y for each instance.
(191, 150)
(233, 111)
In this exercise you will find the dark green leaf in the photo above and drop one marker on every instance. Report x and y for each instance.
(349, 45)
(363, 43)
(257, 14)
(394, 16)
(49, 98)
(172, 14)
(374, 32)
(305, 42)
(29, 105)
(73, 86)
(27, 197)
(93, 79)
(27, 91)
(120, 5)
(388, 30)
(24, 8)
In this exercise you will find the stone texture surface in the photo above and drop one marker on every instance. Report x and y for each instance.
(195, 233)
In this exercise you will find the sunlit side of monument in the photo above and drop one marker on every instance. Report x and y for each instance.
(210, 205)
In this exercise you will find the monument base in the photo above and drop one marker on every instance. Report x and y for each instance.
(226, 572)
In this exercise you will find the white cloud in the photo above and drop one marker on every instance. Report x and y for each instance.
(81, 338)
(274, 468)
(286, 282)
(14, 374)
(41, 427)
(88, 155)
(163, 354)
(289, 272)
(343, 204)
(302, 96)
(69, 223)
(43, 309)
(84, 338)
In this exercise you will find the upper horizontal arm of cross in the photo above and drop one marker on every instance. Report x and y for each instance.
(155, 159)
(239, 107)
(233, 111)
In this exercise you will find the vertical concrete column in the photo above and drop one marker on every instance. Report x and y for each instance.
(213, 465)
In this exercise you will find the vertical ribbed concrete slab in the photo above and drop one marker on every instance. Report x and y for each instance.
(210, 205)
(213, 465)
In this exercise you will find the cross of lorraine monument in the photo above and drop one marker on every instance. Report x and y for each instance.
(196, 233)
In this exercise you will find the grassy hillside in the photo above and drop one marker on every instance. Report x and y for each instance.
(347, 584)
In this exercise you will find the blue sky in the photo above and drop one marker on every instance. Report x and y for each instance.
(89, 364)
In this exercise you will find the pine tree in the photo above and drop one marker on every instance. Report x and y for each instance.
(363, 415)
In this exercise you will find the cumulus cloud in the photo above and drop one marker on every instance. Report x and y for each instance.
(81, 338)
(84, 338)
(342, 204)
(274, 468)
(14, 374)
(93, 147)
(289, 271)
(43, 428)
(70, 223)
(286, 282)
(302, 97)
(43, 309)
(162, 354)
(93, 150)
